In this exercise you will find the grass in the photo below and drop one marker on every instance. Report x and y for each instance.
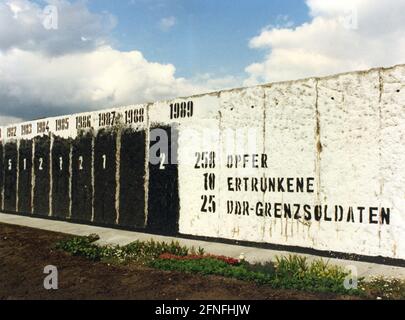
(292, 272)
(141, 252)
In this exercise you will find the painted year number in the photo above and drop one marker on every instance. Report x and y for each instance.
(134, 116)
(106, 119)
(181, 110)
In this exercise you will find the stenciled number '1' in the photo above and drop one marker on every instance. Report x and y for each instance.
(104, 161)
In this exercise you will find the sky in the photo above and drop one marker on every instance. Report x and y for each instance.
(197, 36)
(65, 56)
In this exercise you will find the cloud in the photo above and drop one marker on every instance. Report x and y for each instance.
(167, 23)
(34, 85)
(343, 35)
(4, 120)
(211, 82)
(23, 26)
(74, 68)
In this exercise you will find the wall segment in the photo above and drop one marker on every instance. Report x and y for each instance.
(315, 163)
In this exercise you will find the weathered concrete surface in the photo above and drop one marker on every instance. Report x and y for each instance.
(345, 133)
(316, 163)
(119, 237)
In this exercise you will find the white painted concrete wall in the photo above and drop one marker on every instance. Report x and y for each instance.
(346, 132)
(342, 135)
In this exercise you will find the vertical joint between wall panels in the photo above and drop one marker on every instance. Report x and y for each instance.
(318, 142)
(147, 159)
(381, 91)
(117, 175)
(264, 119)
(380, 139)
(220, 161)
(33, 176)
(51, 176)
(70, 179)
(17, 183)
(264, 127)
(92, 175)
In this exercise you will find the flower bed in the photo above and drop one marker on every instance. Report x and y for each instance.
(227, 260)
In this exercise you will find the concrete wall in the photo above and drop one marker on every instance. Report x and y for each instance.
(315, 163)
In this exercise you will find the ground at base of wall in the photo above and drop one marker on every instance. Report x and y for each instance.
(25, 252)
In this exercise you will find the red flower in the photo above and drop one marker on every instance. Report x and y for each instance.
(228, 260)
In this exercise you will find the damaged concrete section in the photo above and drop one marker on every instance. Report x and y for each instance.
(316, 164)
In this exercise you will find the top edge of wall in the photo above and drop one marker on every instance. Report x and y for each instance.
(209, 93)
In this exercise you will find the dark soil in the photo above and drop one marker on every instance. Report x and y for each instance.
(24, 253)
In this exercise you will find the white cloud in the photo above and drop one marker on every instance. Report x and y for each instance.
(343, 35)
(167, 23)
(33, 84)
(22, 26)
(72, 69)
(211, 82)
(75, 68)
